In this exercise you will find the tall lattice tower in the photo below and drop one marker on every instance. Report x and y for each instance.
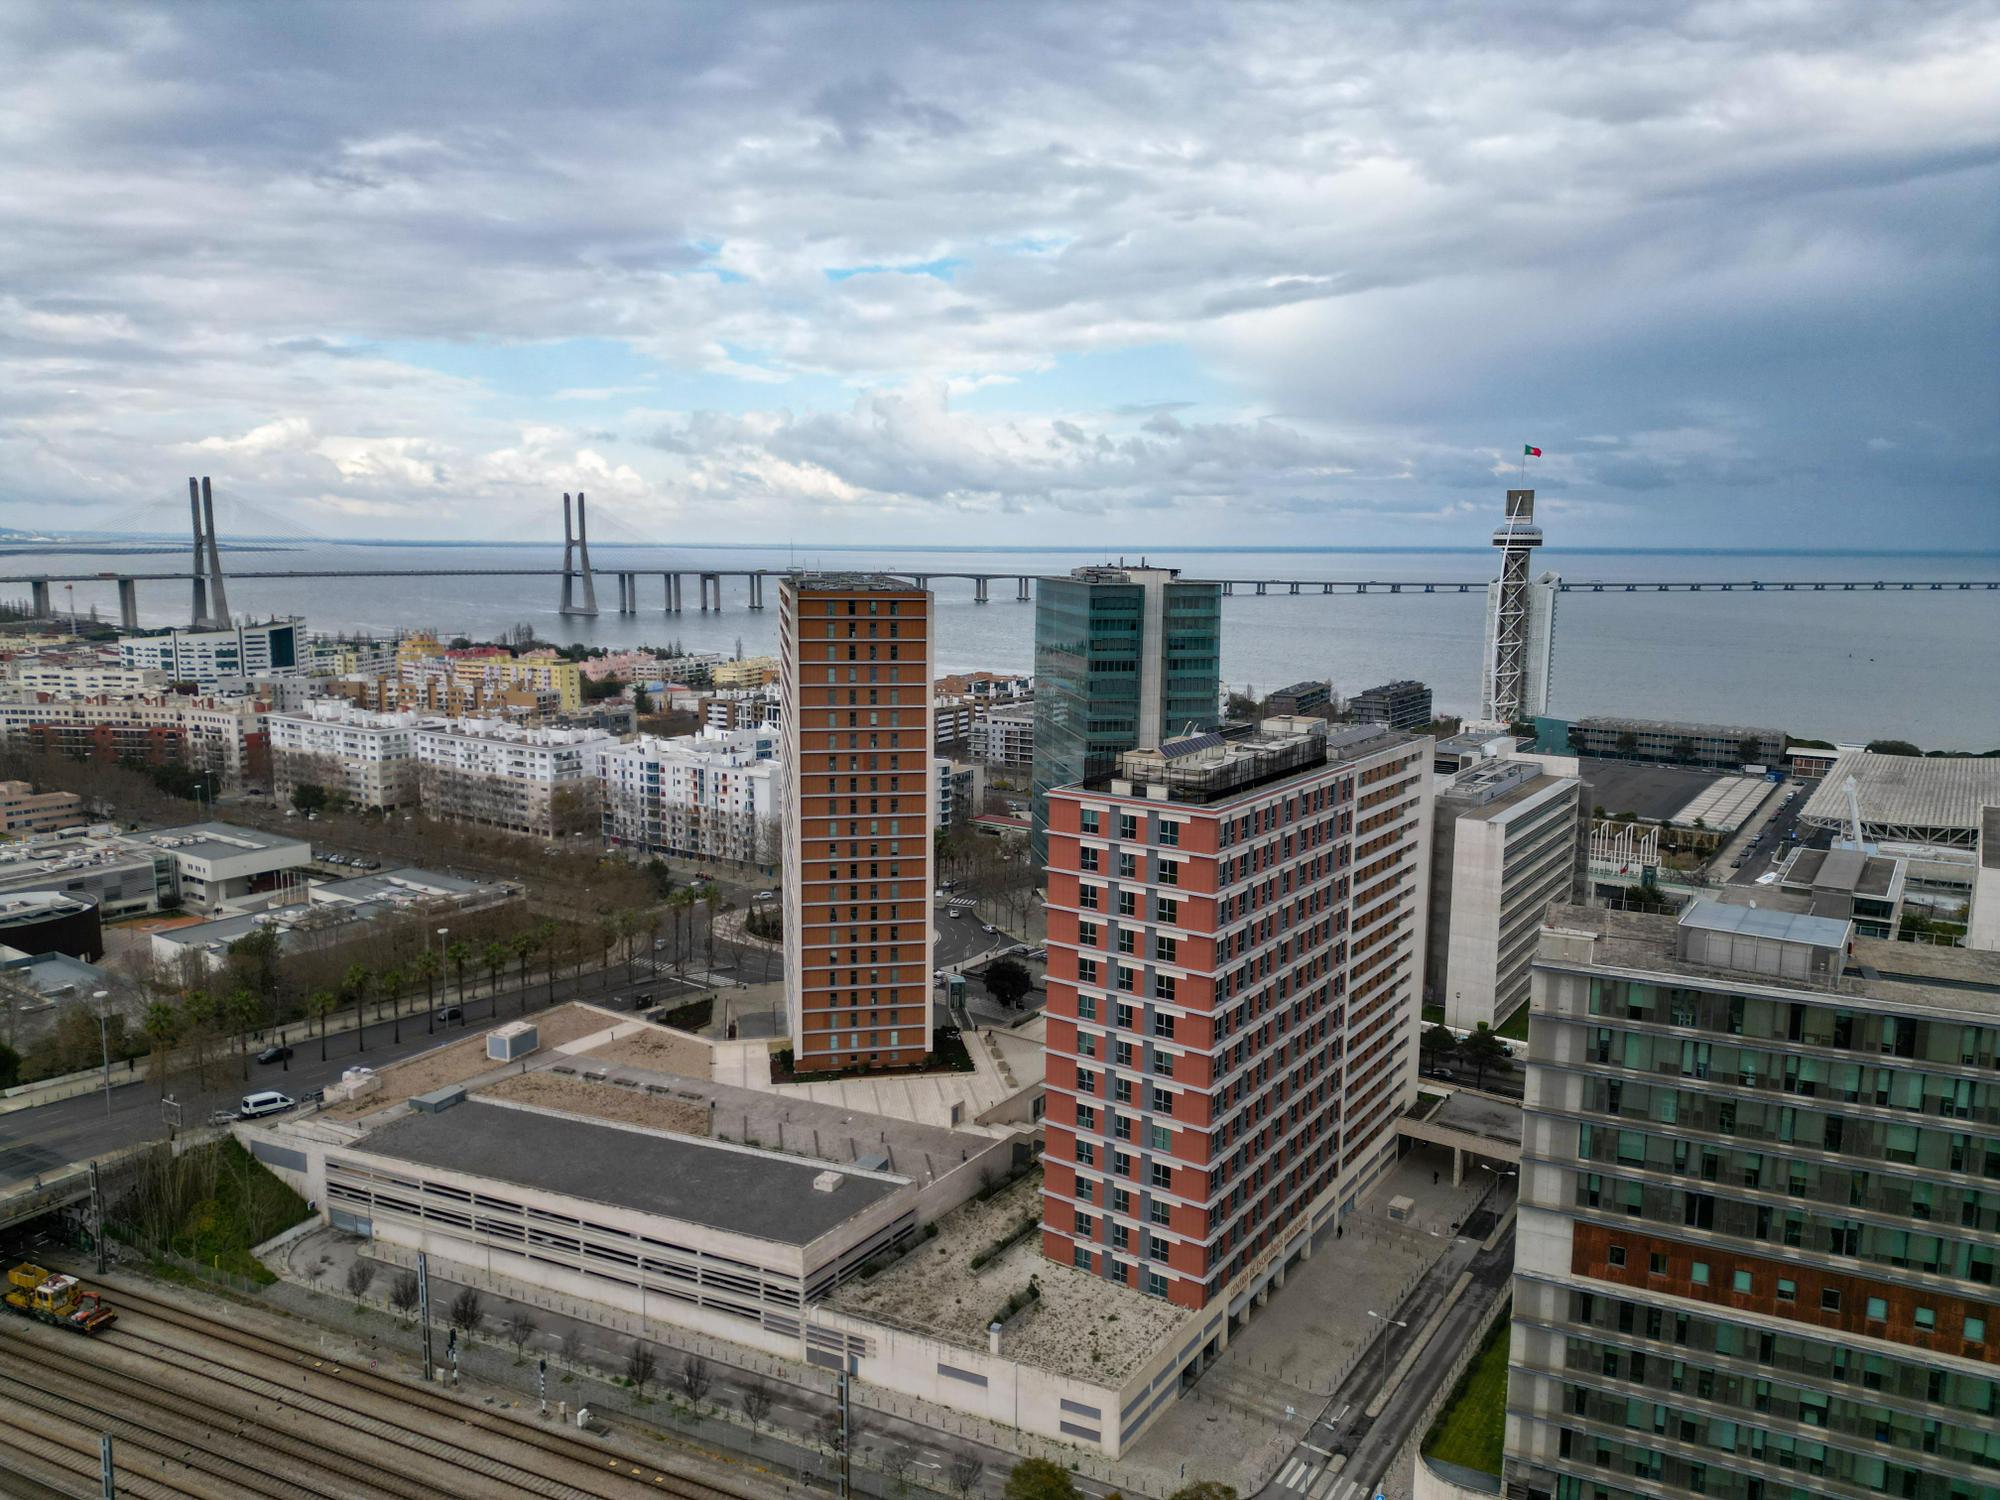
(1520, 621)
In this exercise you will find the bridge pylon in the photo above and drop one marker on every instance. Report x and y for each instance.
(576, 563)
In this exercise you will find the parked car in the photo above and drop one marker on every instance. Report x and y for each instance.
(274, 1054)
(452, 1014)
(267, 1102)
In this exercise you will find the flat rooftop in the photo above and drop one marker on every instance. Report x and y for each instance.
(214, 840)
(1908, 976)
(1655, 793)
(1675, 726)
(853, 583)
(728, 1188)
(1944, 792)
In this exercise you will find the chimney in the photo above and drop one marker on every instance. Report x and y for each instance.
(993, 1338)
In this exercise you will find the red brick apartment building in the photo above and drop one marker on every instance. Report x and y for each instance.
(1236, 937)
(855, 683)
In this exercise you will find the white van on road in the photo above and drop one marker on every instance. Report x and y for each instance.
(267, 1102)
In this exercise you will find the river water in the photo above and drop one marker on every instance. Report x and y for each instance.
(1920, 666)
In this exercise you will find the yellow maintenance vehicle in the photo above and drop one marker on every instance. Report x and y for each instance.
(60, 1300)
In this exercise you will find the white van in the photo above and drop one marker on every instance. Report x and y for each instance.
(268, 1102)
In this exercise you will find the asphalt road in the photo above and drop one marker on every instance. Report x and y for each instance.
(49, 1137)
(1346, 1453)
(1774, 841)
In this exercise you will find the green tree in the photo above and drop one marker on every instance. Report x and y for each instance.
(1484, 1050)
(309, 798)
(524, 948)
(392, 985)
(319, 1005)
(355, 984)
(242, 1011)
(642, 701)
(1435, 1042)
(458, 955)
(1008, 981)
(1892, 747)
(1039, 1479)
(494, 956)
(162, 1026)
(1204, 1489)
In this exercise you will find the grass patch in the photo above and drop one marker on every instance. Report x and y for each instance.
(1434, 1015)
(1472, 1429)
(212, 1205)
(1516, 1029)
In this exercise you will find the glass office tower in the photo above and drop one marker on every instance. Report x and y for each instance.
(1124, 658)
(1759, 1213)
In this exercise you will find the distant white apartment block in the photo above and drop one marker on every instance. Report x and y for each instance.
(1005, 737)
(508, 776)
(84, 679)
(274, 648)
(1503, 845)
(368, 756)
(713, 795)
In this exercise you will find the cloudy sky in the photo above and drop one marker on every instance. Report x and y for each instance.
(1304, 275)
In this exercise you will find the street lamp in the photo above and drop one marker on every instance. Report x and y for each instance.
(1389, 1323)
(104, 1042)
(430, 1016)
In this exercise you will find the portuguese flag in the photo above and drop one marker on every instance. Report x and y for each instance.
(1531, 453)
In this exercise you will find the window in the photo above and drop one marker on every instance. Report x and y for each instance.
(1788, 1290)
(1878, 1309)
(1081, 1255)
(1170, 834)
(1164, 948)
(1927, 1319)
(1160, 1212)
(1167, 909)
(1700, 1273)
(1163, 1024)
(1656, 1264)
(1128, 979)
(1086, 1227)
(1170, 871)
(1975, 1330)
(1128, 826)
(1086, 1005)
(1159, 1138)
(1086, 973)
(1742, 1281)
(1087, 820)
(1156, 1284)
(1089, 934)
(1615, 1255)
(1087, 858)
(1829, 1300)
(1087, 897)
(1128, 866)
(1086, 1154)
(1128, 904)
(1163, 1174)
(1164, 986)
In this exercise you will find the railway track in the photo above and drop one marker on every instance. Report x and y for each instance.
(274, 1420)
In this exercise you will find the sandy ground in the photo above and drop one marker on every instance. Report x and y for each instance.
(466, 1059)
(1083, 1326)
(601, 1101)
(658, 1048)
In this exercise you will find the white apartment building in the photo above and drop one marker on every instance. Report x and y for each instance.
(271, 649)
(368, 756)
(713, 795)
(85, 679)
(1503, 845)
(504, 775)
(1005, 737)
(224, 737)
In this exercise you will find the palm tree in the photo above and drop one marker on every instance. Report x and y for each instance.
(458, 955)
(607, 944)
(319, 1005)
(162, 1024)
(392, 985)
(711, 898)
(426, 967)
(524, 946)
(243, 1010)
(355, 982)
(494, 955)
(681, 903)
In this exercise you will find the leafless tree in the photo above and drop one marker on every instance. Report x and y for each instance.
(571, 1346)
(756, 1402)
(360, 1276)
(521, 1327)
(403, 1295)
(641, 1365)
(466, 1310)
(965, 1472)
(695, 1379)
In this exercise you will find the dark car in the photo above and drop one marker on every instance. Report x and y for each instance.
(274, 1054)
(452, 1013)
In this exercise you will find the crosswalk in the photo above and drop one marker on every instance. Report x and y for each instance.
(1303, 1477)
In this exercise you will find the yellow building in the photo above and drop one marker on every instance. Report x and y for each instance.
(751, 672)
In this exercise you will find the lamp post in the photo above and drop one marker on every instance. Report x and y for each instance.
(443, 933)
(104, 1043)
(1389, 1323)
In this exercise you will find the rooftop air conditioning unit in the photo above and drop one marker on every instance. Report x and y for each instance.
(514, 1040)
(826, 1182)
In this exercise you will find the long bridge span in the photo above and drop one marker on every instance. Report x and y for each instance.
(709, 584)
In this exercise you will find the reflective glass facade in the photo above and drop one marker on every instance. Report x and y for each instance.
(1759, 1225)
(1123, 658)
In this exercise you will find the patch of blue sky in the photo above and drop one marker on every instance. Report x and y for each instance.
(1143, 376)
(944, 269)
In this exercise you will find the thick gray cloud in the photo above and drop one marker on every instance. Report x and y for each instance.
(1734, 267)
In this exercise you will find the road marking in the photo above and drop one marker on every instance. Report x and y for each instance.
(1324, 1488)
(1341, 1415)
(1322, 1452)
(1294, 1477)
